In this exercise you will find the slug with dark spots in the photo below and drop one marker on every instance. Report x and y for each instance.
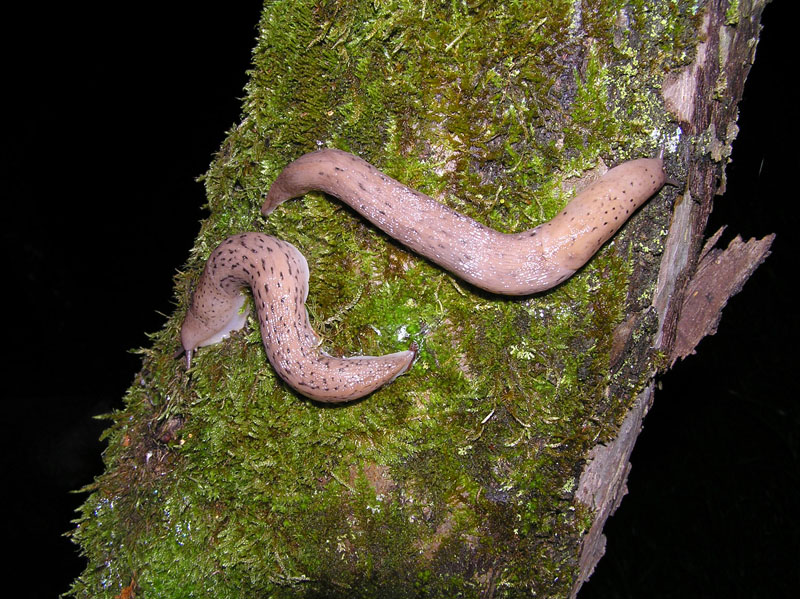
(277, 273)
(506, 264)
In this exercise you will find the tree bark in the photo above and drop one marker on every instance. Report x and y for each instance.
(693, 285)
(490, 469)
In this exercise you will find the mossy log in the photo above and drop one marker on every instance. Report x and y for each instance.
(490, 468)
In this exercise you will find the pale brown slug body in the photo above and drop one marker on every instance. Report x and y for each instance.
(277, 273)
(507, 264)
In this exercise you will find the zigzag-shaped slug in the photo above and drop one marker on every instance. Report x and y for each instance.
(507, 264)
(278, 275)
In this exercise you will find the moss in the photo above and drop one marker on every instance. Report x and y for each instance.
(732, 13)
(460, 474)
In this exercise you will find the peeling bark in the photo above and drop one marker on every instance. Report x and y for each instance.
(693, 285)
(720, 275)
(603, 484)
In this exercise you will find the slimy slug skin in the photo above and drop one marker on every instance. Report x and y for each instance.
(277, 273)
(506, 264)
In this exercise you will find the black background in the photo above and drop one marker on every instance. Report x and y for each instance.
(112, 116)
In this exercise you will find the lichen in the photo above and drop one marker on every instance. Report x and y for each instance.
(458, 476)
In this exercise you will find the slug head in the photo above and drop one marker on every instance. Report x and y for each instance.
(199, 332)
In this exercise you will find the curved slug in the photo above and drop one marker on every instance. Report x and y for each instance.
(278, 276)
(507, 264)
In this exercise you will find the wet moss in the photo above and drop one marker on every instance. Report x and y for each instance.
(458, 476)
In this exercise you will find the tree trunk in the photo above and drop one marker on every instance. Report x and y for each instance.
(490, 468)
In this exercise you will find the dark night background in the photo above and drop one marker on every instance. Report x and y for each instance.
(114, 114)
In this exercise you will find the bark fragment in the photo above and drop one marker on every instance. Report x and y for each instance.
(720, 275)
(603, 484)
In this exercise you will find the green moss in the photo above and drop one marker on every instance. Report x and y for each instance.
(732, 13)
(460, 474)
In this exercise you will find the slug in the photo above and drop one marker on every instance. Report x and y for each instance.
(507, 264)
(277, 273)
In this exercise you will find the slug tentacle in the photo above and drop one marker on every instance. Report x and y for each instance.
(507, 264)
(277, 273)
